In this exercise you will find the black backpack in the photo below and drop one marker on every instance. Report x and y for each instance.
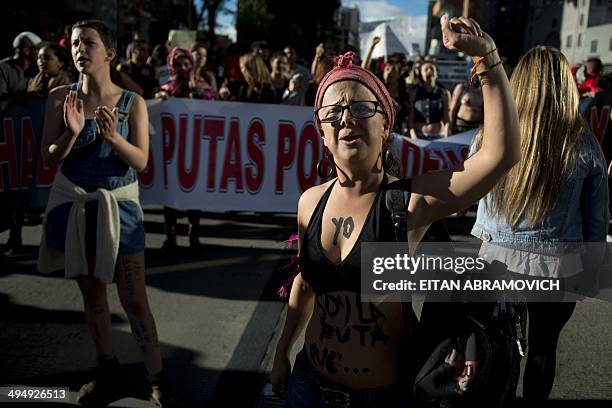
(492, 334)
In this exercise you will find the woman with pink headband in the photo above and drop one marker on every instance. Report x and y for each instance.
(354, 352)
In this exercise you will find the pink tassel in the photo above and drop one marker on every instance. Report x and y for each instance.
(293, 268)
(293, 238)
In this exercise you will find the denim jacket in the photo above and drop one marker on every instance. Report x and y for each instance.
(580, 214)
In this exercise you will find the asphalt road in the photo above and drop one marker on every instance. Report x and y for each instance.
(218, 319)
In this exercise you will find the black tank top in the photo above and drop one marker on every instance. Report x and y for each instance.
(325, 276)
(428, 106)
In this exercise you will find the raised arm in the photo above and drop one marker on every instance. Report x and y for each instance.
(368, 59)
(411, 120)
(445, 115)
(454, 106)
(441, 193)
(319, 52)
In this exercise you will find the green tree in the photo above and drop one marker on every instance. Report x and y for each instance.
(206, 10)
(300, 24)
(253, 21)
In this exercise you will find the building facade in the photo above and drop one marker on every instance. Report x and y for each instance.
(544, 23)
(499, 18)
(586, 30)
(347, 24)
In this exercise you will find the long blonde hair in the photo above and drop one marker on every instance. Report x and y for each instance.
(551, 128)
(255, 72)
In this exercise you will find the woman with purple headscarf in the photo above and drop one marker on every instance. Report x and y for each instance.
(182, 83)
(180, 68)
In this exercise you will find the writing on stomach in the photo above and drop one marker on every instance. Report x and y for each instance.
(353, 342)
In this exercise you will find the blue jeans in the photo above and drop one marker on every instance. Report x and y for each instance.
(307, 389)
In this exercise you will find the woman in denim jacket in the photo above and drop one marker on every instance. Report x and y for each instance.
(557, 193)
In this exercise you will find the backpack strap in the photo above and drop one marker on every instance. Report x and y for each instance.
(397, 196)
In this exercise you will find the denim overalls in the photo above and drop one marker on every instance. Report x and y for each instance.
(96, 165)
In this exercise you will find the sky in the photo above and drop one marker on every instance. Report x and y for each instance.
(227, 22)
(372, 10)
(369, 10)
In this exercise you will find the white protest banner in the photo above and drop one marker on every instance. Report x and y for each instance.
(230, 156)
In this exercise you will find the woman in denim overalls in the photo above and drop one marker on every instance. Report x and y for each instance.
(99, 134)
(556, 196)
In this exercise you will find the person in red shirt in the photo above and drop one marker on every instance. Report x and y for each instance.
(589, 87)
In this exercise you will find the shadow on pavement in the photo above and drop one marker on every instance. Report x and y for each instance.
(196, 385)
(13, 313)
(241, 225)
(216, 271)
(570, 403)
(221, 272)
(193, 384)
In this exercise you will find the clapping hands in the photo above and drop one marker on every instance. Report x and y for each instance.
(106, 121)
(74, 114)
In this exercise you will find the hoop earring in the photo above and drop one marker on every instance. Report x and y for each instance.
(387, 159)
(330, 166)
(389, 162)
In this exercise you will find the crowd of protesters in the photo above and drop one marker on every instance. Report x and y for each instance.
(425, 108)
(548, 145)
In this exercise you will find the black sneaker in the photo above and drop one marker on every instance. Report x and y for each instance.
(106, 386)
(161, 393)
(13, 247)
(169, 247)
(194, 244)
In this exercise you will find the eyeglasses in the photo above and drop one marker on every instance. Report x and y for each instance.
(358, 109)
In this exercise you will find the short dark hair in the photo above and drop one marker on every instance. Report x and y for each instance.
(256, 46)
(139, 41)
(597, 64)
(198, 45)
(277, 55)
(59, 52)
(106, 34)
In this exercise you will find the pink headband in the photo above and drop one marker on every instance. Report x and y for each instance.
(346, 71)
